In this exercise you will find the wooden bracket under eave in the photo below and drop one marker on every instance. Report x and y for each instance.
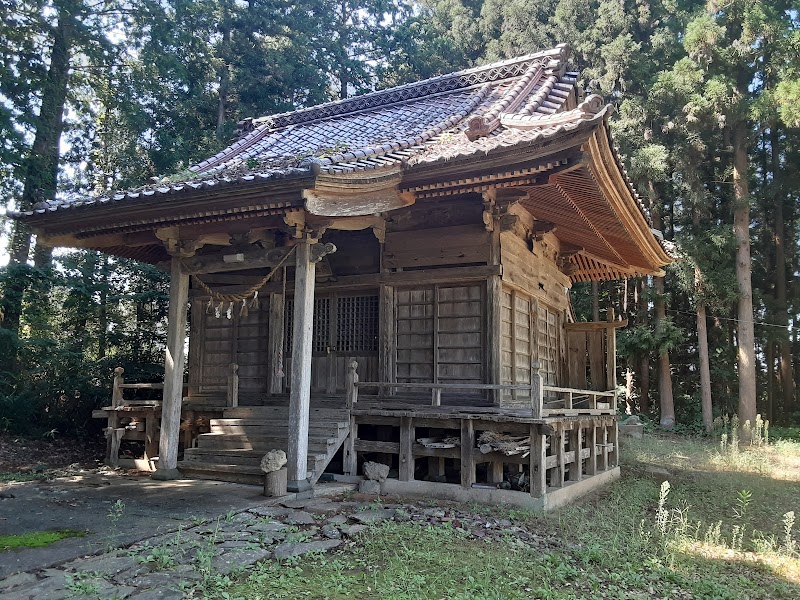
(354, 202)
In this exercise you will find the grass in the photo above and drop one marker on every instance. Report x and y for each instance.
(719, 525)
(36, 539)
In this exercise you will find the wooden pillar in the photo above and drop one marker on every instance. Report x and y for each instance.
(406, 458)
(558, 438)
(467, 449)
(576, 468)
(232, 399)
(350, 458)
(277, 303)
(116, 389)
(613, 459)
(538, 462)
(388, 338)
(604, 455)
(591, 442)
(494, 299)
(173, 373)
(300, 393)
(537, 390)
(150, 432)
(496, 471)
(494, 303)
(611, 355)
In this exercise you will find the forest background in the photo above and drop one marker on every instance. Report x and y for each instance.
(97, 95)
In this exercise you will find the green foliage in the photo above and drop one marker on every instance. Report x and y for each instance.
(103, 314)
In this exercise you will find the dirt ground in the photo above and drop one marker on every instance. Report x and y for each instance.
(23, 455)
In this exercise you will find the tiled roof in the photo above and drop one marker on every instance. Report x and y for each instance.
(522, 100)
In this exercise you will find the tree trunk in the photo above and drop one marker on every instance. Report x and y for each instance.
(224, 70)
(644, 360)
(770, 353)
(666, 401)
(781, 307)
(741, 231)
(41, 172)
(705, 372)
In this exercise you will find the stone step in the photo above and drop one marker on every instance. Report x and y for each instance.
(224, 441)
(282, 413)
(265, 428)
(239, 457)
(225, 472)
(341, 422)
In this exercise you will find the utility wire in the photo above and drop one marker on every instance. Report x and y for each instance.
(684, 312)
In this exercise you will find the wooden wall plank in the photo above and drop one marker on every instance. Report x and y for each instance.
(576, 356)
(597, 360)
(461, 244)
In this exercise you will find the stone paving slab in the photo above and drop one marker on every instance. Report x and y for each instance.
(83, 504)
(170, 565)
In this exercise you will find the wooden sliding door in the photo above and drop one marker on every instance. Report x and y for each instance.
(440, 334)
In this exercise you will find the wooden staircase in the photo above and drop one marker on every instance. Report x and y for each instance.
(237, 442)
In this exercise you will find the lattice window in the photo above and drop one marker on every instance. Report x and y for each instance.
(321, 335)
(548, 344)
(357, 324)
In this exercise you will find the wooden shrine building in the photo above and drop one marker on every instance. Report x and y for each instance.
(387, 278)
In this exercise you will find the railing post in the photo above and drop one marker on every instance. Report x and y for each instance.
(537, 391)
(116, 388)
(350, 458)
(352, 385)
(233, 386)
(436, 396)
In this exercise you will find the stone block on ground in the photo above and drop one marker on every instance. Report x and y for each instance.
(272, 512)
(17, 580)
(298, 549)
(375, 471)
(331, 532)
(370, 486)
(352, 530)
(337, 520)
(300, 517)
(231, 561)
(158, 594)
(274, 460)
(368, 517)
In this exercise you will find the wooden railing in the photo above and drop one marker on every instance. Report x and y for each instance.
(570, 397)
(119, 385)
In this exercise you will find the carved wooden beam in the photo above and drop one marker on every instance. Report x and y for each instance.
(318, 251)
(227, 260)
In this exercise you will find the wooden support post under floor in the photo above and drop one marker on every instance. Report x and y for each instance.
(538, 460)
(467, 458)
(300, 391)
(173, 373)
(406, 459)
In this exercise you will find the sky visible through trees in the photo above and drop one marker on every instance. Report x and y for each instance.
(105, 94)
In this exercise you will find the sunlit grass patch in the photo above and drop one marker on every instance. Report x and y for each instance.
(36, 539)
(714, 531)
